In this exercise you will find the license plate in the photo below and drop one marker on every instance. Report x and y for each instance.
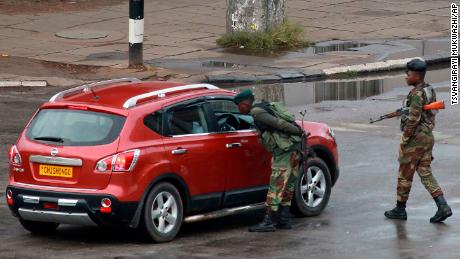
(56, 171)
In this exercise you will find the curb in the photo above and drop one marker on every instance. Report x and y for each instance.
(384, 66)
(26, 83)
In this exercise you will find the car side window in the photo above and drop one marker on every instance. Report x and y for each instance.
(154, 122)
(223, 106)
(186, 120)
(228, 117)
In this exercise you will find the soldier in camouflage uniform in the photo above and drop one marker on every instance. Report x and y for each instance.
(285, 161)
(415, 152)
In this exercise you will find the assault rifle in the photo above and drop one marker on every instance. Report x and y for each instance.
(439, 105)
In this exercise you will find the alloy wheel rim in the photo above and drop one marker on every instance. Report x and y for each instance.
(313, 186)
(164, 212)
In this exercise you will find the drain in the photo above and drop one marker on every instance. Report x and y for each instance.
(81, 34)
(220, 64)
(112, 55)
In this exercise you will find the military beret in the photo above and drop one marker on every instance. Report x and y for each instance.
(416, 65)
(243, 95)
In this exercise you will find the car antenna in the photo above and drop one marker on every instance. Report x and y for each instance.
(303, 113)
(304, 144)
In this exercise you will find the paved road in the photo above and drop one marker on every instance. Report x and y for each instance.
(352, 226)
(185, 29)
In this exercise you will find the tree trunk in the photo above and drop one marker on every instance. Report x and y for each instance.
(254, 15)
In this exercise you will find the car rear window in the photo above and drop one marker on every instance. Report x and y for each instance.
(75, 127)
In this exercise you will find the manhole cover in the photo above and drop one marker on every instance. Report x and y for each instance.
(82, 34)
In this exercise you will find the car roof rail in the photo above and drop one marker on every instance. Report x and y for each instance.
(131, 102)
(88, 87)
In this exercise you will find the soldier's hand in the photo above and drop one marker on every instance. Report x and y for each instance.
(294, 159)
(403, 142)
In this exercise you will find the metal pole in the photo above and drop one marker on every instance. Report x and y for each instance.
(136, 31)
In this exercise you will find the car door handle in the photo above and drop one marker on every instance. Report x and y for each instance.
(179, 151)
(233, 145)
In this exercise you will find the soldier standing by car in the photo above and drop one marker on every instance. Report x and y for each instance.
(282, 139)
(415, 153)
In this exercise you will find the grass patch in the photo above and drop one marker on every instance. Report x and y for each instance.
(348, 74)
(286, 36)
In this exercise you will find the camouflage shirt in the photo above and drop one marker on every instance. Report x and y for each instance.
(265, 120)
(418, 119)
(277, 135)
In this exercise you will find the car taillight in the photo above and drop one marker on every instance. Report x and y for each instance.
(75, 107)
(9, 197)
(105, 164)
(105, 205)
(121, 162)
(14, 156)
(124, 162)
(50, 205)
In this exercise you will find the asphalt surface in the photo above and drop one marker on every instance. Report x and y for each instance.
(352, 226)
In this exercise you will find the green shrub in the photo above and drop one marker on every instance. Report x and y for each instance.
(286, 36)
(248, 40)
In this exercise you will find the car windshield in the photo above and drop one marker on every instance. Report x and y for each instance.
(75, 127)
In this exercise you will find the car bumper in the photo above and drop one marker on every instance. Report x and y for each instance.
(69, 208)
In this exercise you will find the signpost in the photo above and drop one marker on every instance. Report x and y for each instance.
(136, 31)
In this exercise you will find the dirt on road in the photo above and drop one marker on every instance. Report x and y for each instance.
(32, 69)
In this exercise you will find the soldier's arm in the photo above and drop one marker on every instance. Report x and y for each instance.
(415, 113)
(263, 117)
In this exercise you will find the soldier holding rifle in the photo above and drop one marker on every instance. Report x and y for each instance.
(416, 146)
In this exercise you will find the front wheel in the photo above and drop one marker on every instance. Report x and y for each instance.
(313, 189)
(163, 213)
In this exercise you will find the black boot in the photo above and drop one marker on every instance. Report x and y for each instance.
(285, 218)
(267, 224)
(399, 212)
(443, 212)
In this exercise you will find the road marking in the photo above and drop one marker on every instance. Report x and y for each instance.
(347, 130)
(440, 136)
(362, 126)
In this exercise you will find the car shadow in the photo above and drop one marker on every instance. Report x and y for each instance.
(125, 235)
(221, 224)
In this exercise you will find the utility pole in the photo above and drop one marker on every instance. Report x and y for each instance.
(136, 31)
(249, 15)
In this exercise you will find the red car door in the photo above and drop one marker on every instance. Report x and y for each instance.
(248, 162)
(194, 155)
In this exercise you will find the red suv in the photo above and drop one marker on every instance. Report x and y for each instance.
(150, 155)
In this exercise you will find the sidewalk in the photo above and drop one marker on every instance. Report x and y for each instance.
(180, 35)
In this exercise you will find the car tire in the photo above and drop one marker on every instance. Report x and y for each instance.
(313, 189)
(40, 228)
(163, 213)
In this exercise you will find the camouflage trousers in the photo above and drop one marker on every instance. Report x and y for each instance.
(285, 170)
(416, 156)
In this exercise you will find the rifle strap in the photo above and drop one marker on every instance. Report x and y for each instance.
(266, 106)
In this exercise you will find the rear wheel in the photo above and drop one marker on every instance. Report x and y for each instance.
(313, 189)
(41, 228)
(163, 213)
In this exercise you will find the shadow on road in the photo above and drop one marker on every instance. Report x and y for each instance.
(106, 235)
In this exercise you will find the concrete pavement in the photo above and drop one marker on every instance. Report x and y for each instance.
(181, 31)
